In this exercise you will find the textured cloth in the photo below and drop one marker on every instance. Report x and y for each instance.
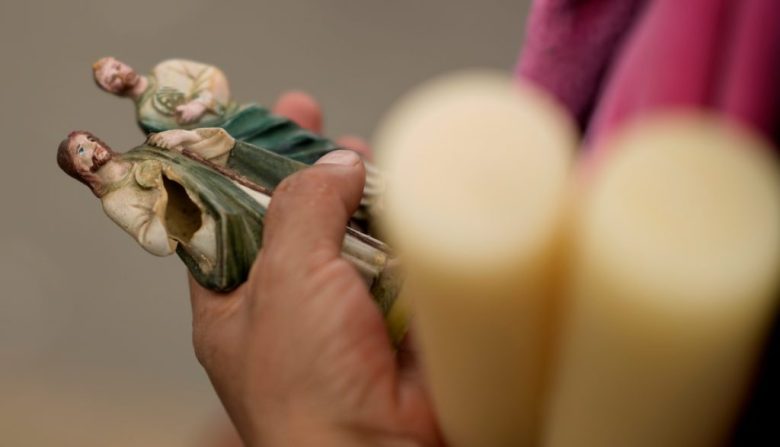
(610, 61)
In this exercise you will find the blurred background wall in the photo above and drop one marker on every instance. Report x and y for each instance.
(95, 333)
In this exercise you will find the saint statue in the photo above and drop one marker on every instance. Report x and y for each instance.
(193, 192)
(183, 94)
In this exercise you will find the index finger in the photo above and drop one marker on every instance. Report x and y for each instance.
(301, 108)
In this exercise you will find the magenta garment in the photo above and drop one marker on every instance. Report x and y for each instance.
(611, 61)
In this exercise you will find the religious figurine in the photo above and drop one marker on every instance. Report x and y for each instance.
(179, 192)
(183, 94)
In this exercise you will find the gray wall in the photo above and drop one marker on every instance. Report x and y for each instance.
(95, 333)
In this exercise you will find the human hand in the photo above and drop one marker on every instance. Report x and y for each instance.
(174, 139)
(299, 354)
(190, 112)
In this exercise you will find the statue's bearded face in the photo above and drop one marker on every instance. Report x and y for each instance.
(88, 153)
(115, 76)
(81, 156)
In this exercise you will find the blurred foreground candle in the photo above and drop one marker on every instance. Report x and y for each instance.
(477, 171)
(674, 283)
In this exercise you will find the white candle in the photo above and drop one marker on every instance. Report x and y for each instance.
(476, 172)
(678, 255)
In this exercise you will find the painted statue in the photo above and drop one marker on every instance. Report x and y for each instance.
(181, 192)
(183, 94)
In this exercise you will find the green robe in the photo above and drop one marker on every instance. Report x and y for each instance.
(256, 125)
(261, 166)
(268, 169)
(238, 217)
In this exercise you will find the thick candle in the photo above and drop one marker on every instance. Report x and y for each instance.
(678, 242)
(476, 172)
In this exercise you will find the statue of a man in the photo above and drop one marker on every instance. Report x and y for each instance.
(183, 94)
(177, 193)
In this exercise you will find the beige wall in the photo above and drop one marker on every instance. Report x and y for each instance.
(94, 333)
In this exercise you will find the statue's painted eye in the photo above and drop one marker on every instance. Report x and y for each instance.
(81, 150)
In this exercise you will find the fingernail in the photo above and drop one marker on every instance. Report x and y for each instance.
(339, 157)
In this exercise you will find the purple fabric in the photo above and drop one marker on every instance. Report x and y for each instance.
(570, 44)
(750, 90)
(721, 55)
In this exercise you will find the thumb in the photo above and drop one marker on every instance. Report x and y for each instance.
(310, 209)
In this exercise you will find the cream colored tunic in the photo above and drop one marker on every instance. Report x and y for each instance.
(138, 205)
(177, 82)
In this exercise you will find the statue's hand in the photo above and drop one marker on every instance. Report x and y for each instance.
(190, 112)
(174, 140)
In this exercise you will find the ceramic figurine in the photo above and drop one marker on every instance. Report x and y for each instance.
(190, 201)
(183, 94)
